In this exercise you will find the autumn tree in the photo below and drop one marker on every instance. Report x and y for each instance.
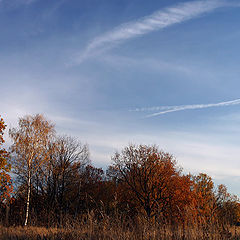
(228, 208)
(151, 178)
(68, 160)
(205, 199)
(30, 149)
(5, 167)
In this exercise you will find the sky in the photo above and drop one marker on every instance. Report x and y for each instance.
(115, 72)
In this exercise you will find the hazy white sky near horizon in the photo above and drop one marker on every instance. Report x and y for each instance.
(85, 64)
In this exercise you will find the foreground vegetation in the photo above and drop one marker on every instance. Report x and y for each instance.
(117, 229)
(143, 194)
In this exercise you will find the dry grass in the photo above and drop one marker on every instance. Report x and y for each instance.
(53, 234)
(117, 229)
(39, 233)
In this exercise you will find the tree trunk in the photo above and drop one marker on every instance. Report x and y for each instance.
(7, 214)
(28, 198)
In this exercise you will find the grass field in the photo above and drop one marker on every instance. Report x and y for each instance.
(112, 231)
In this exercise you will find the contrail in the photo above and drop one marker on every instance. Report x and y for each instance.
(169, 109)
(156, 21)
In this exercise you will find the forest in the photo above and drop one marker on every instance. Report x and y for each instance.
(49, 189)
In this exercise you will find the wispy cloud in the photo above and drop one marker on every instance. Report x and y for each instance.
(156, 21)
(169, 109)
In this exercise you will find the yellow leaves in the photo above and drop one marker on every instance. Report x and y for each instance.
(31, 140)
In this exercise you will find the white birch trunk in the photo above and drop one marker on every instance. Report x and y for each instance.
(28, 197)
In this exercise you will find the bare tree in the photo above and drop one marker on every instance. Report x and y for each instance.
(30, 149)
(69, 157)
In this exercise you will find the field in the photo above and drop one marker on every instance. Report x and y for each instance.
(117, 230)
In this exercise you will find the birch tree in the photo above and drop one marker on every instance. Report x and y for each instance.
(30, 149)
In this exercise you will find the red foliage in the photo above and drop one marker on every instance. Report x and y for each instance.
(6, 187)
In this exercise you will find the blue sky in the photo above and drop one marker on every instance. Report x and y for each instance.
(88, 65)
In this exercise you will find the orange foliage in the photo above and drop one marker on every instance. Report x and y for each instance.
(6, 187)
(151, 182)
(205, 202)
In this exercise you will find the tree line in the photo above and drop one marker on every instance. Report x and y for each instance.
(47, 179)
